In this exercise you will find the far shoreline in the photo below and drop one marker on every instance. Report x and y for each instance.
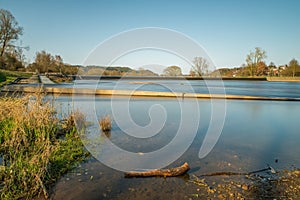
(283, 79)
(270, 79)
(96, 77)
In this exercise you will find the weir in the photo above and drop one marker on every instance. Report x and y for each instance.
(135, 93)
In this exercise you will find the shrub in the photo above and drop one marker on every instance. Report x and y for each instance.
(2, 77)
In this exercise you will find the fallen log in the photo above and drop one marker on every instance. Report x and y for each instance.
(177, 171)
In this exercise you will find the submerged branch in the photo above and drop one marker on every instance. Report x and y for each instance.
(177, 171)
(239, 173)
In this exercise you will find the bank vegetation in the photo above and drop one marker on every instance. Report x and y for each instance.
(36, 147)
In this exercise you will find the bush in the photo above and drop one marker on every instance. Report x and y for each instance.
(2, 77)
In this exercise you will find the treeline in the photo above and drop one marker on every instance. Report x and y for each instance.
(292, 69)
(53, 64)
(46, 63)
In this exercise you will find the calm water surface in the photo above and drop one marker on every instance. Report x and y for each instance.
(255, 134)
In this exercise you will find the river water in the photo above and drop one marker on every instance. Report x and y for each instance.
(254, 134)
(250, 88)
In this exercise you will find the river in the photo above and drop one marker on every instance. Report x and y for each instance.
(254, 134)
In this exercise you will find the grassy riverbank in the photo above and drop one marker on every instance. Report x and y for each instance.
(8, 76)
(36, 147)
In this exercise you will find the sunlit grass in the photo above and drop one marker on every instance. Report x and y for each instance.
(9, 76)
(36, 147)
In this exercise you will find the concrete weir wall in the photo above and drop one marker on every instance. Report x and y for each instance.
(136, 93)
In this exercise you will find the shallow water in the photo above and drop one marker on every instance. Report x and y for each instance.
(255, 134)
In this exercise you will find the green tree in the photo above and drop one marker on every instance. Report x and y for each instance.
(253, 58)
(172, 71)
(200, 66)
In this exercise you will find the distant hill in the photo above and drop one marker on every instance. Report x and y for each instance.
(116, 71)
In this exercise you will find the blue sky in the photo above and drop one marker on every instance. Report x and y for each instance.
(226, 29)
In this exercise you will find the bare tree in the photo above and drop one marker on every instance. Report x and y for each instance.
(253, 58)
(200, 67)
(294, 65)
(9, 31)
(58, 63)
(172, 71)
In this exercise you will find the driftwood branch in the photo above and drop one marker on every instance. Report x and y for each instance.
(240, 173)
(177, 171)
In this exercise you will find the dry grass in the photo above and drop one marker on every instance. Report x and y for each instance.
(75, 119)
(29, 142)
(105, 123)
(27, 130)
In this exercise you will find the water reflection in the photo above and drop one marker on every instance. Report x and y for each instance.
(260, 130)
(255, 133)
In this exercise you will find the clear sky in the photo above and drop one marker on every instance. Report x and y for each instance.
(226, 29)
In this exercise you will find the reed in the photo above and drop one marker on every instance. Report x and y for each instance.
(105, 123)
(34, 155)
